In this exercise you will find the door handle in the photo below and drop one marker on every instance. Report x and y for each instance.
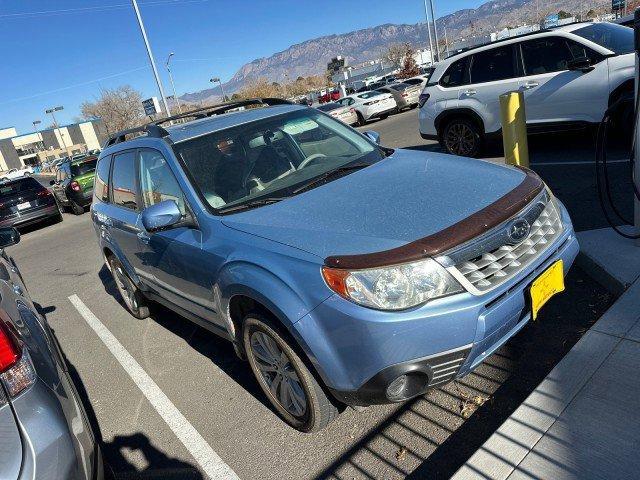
(144, 237)
(469, 93)
(530, 85)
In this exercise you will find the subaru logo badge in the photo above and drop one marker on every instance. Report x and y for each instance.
(518, 230)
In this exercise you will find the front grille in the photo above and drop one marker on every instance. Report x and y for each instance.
(498, 263)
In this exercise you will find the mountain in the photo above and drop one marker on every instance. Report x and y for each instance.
(311, 57)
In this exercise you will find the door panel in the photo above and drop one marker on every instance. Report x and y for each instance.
(555, 94)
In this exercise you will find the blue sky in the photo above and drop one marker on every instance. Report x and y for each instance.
(62, 52)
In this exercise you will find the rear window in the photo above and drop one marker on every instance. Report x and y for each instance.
(401, 87)
(18, 186)
(78, 169)
(123, 180)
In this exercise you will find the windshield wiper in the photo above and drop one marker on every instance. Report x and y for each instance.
(250, 204)
(331, 173)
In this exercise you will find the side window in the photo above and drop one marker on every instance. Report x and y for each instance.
(578, 51)
(545, 55)
(123, 180)
(457, 74)
(101, 182)
(157, 182)
(495, 64)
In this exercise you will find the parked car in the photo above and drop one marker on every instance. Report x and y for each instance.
(405, 95)
(419, 80)
(45, 432)
(17, 173)
(24, 201)
(343, 113)
(73, 185)
(370, 105)
(569, 75)
(347, 273)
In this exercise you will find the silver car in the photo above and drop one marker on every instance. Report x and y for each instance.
(44, 429)
(343, 113)
(406, 96)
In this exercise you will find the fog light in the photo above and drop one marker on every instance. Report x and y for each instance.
(396, 389)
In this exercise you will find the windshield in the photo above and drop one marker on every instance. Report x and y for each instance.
(611, 36)
(271, 157)
(78, 169)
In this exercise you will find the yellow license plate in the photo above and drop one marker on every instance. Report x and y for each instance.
(550, 282)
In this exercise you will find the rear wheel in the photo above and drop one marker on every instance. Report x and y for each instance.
(461, 136)
(131, 295)
(385, 116)
(284, 377)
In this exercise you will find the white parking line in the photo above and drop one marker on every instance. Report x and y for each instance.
(592, 162)
(208, 460)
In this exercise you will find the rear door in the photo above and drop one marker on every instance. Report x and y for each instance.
(124, 211)
(491, 73)
(555, 94)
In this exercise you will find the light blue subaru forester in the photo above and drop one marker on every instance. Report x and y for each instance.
(346, 273)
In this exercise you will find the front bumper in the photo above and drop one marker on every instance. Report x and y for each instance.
(358, 352)
(34, 216)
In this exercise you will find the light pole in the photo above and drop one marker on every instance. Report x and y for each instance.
(173, 85)
(435, 29)
(426, 14)
(153, 63)
(55, 124)
(217, 79)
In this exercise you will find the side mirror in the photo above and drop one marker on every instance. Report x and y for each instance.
(582, 64)
(161, 216)
(8, 236)
(374, 136)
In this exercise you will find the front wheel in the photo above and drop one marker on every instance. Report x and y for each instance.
(462, 137)
(133, 298)
(284, 378)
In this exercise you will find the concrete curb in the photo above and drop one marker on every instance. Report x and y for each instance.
(600, 274)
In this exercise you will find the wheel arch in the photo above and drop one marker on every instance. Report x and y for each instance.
(452, 113)
(625, 87)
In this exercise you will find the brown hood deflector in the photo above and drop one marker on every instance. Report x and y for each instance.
(477, 224)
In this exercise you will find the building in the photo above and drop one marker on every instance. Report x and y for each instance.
(18, 151)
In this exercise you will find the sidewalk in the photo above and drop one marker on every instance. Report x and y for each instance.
(583, 420)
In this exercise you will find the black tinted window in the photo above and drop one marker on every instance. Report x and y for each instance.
(614, 37)
(101, 182)
(457, 74)
(492, 65)
(18, 186)
(123, 180)
(545, 55)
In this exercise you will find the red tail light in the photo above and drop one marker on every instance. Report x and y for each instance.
(352, 110)
(44, 193)
(9, 353)
(405, 95)
(75, 186)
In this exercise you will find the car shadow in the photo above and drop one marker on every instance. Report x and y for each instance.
(117, 466)
(219, 350)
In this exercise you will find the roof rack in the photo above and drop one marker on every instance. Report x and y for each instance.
(155, 130)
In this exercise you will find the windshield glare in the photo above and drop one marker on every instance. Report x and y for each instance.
(617, 38)
(270, 157)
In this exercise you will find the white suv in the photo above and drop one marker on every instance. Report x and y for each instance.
(569, 75)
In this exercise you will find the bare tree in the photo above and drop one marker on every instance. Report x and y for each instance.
(396, 54)
(409, 66)
(119, 108)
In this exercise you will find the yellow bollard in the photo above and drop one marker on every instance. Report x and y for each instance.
(514, 129)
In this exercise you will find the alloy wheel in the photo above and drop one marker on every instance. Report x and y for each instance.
(125, 287)
(460, 139)
(278, 373)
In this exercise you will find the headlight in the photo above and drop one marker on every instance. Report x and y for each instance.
(392, 288)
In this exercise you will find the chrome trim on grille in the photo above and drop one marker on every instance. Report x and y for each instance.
(490, 260)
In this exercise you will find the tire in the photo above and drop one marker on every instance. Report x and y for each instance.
(361, 121)
(131, 295)
(461, 136)
(384, 117)
(76, 209)
(267, 349)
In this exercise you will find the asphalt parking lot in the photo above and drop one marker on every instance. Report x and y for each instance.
(429, 437)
